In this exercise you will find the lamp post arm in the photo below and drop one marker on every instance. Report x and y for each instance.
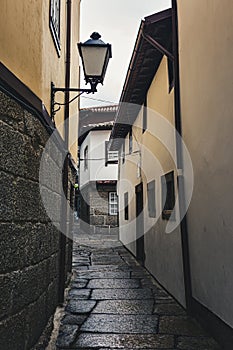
(74, 90)
(55, 89)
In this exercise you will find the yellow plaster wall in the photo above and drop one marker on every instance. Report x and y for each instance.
(74, 81)
(27, 50)
(161, 102)
(163, 251)
(21, 41)
(206, 77)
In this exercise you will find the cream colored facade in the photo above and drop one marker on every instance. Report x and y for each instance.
(206, 78)
(163, 253)
(28, 51)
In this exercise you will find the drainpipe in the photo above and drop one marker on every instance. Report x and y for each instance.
(63, 239)
(180, 165)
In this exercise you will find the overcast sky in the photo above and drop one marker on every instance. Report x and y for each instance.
(118, 23)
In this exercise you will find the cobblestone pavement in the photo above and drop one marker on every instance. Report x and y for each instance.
(113, 303)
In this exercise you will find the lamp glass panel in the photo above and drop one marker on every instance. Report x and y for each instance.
(94, 59)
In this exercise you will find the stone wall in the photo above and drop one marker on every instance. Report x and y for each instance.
(99, 220)
(29, 242)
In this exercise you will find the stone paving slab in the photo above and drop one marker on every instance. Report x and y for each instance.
(114, 303)
(67, 335)
(80, 307)
(106, 274)
(125, 307)
(79, 294)
(79, 283)
(179, 325)
(73, 319)
(139, 324)
(124, 341)
(169, 309)
(114, 283)
(192, 343)
(121, 294)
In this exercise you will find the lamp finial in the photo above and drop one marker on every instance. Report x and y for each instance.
(95, 36)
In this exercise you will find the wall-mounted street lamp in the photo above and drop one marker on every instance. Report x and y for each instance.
(95, 55)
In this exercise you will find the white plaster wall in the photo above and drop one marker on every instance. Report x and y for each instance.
(96, 154)
(84, 175)
(98, 170)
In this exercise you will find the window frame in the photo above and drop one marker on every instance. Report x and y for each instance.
(126, 206)
(168, 203)
(144, 116)
(123, 152)
(130, 140)
(114, 203)
(85, 158)
(112, 161)
(55, 32)
(151, 200)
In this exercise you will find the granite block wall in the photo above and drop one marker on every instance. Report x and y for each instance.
(29, 242)
(95, 212)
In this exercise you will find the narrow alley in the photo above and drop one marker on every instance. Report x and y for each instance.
(114, 303)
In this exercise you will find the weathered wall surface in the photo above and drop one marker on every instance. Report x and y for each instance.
(95, 211)
(99, 211)
(29, 243)
(206, 110)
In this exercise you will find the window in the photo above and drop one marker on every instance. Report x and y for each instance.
(126, 203)
(113, 203)
(170, 74)
(123, 152)
(110, 156)
(168, 196)
(130, 141)
(54, 22)
(151, 199)
(144, 121)
(86, 158)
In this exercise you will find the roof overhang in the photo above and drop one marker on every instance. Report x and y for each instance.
(95, 119)
(143, 66)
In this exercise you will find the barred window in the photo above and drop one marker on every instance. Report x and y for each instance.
(54, 22)
(113, 203)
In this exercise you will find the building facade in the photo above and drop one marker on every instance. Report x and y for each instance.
(179, 82)
(205, 65)
(98, 171)
(145, 162)
(36, 256)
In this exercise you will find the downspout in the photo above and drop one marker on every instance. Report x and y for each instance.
(180, 165)
(63, 215)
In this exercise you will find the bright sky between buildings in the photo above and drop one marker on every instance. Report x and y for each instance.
(118, 23)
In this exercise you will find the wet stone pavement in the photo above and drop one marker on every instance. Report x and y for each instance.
(113, 303)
